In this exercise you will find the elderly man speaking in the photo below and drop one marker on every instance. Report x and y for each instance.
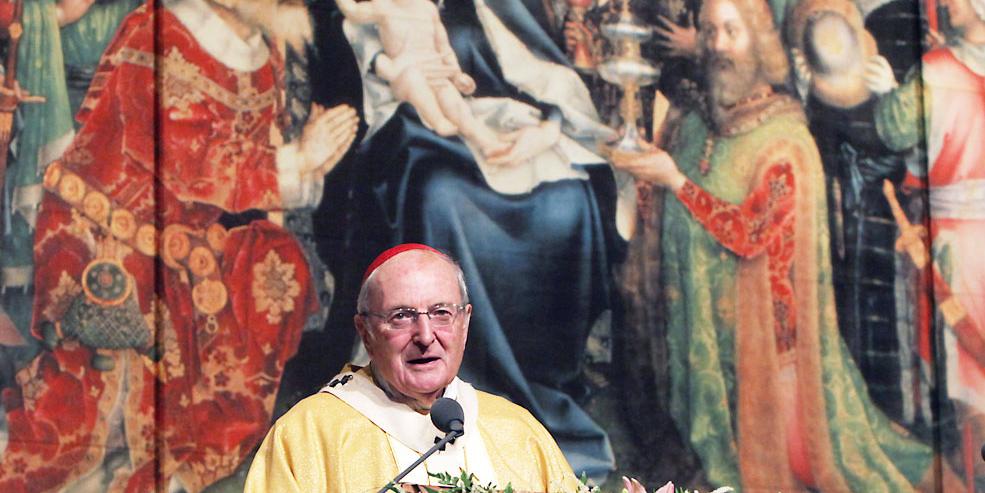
(368, 424)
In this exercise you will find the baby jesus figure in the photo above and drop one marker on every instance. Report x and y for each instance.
(413, 36)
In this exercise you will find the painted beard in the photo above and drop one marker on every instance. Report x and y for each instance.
(729, 79)
(284, 20)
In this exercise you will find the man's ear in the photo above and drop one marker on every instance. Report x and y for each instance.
(465, 323)
(362, 328)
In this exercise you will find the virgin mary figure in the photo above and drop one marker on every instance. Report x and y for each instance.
(535, 233)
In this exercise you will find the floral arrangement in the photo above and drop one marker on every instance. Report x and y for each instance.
(467, 483)
(463, 483)
(669, 488)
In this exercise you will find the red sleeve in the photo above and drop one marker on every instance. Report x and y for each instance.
(114, 150)
(746, 228)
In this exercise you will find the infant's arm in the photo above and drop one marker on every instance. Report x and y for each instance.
(359, 12)
(462, 81)
(441, 43)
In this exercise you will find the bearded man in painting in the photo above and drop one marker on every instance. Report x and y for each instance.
(761, 385)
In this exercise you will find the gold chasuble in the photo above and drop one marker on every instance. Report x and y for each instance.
(350, 438)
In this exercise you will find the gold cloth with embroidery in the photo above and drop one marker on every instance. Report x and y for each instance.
(183, 248)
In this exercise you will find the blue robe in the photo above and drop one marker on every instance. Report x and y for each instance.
(537, 264)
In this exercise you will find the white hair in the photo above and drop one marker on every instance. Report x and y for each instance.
(362, 301)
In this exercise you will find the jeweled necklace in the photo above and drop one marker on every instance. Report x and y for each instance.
(743, 125)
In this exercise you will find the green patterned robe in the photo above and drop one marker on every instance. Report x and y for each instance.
(701, 279)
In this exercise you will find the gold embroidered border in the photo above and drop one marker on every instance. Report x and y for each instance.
(136, 57)
(120, 223)
(176, 68)
(182, 248)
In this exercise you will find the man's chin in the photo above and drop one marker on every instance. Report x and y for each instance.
(721, 84)
(428, 382)
(726, 94)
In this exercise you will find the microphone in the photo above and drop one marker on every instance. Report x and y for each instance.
(446, 415)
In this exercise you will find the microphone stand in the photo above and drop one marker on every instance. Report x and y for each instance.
(439, 445)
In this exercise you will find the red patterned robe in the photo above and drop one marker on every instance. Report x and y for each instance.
(224, 308)
(956, 181)
(942, 106)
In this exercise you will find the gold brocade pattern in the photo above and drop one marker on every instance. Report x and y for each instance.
(31, 385)
(94, 210)
(96, 206)
(78, 154)
(274, 287)
(139, 421)
(725, 305)
(110, 199)
(31, 381)
(322, 434)
(171, 365)
(61, 297)
(178, 93)
(244, 107)
(184, 84)
(122, 224)
(212, 462)
(135, 57)
(269, 200)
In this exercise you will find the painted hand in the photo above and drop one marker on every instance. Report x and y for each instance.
(678, 40)
(879, 76)
(576, 32)
(526, 143)
(327, 136)
(464, 83)
(653, 165)
(69, 11)
(21, 95)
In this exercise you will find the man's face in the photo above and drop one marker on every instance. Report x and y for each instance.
(731, 64)
(420, 360)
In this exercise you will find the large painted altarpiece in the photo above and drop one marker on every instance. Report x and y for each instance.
(191, 190)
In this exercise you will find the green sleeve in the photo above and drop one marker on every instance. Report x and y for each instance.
(900, 115)
(45, 130)
(40, 71)
(83, 41)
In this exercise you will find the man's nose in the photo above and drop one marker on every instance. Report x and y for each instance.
(720, 42)
(423, 332)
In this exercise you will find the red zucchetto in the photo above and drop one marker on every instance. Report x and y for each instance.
(397, 250)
